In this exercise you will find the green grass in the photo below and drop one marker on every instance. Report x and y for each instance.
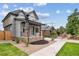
(69, 49)
(7, 49)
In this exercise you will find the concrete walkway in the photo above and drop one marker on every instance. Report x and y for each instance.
(72, 41)
(51, 50)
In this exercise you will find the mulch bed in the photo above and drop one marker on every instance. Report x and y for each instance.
(40, 42)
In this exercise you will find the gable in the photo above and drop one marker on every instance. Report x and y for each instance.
(33, 16)
(8, 20)
(20, 15)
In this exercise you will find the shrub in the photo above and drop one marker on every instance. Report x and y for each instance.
(47, 36)
(54, 34)
(61, 30)
(25, 40)
(17, 39)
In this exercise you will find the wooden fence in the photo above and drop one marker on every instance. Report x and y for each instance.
(5, 35)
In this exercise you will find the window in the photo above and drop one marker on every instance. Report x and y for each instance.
(37, 30)
(8, 28)
(22, 27)
(23, 30)
(32, 31)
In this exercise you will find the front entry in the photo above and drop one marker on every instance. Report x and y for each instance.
(22, 28)
(34, 33)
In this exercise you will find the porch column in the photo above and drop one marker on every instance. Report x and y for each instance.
(41, 35)
(26, 34)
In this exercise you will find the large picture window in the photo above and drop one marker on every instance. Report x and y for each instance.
(34, 30)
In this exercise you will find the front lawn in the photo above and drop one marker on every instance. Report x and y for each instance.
(69, 49)
(7, 49)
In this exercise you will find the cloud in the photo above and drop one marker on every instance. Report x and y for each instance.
(68, 11)
(29, 8)
(3, 13)
(43, 14)
(15, 5)
(39, 4)
(57, 11)
(1, 25)
(5, 6)
(25, 9)
(21, 8)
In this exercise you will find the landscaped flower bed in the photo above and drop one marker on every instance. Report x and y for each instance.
(7, 49)
(69, 49)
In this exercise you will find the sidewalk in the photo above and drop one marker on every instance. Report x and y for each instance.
(51, 50)
(72, 41)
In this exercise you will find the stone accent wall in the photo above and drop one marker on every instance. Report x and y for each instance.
(35, 38)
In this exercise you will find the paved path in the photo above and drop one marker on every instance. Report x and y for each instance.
(72, 41)
(51, 50)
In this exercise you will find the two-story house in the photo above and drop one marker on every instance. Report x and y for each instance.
(23, 24)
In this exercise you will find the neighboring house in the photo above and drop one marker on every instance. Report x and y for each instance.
(23, 24)
(46, 30)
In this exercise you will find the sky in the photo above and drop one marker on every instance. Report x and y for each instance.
(55, 14)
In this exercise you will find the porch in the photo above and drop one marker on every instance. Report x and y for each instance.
(31, 30)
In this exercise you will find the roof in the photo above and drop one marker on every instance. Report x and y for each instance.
(35, 23)
(46, 27)
(30, 22)
(18, 11)
(77, 13)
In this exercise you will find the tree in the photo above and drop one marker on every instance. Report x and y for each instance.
(52, 28)
(54, 34)
(61, 30)
(72, 26)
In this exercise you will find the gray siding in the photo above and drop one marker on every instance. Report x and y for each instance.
(8, 21)
(18, 28)
(32, 17)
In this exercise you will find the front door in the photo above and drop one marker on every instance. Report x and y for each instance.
(22, 28)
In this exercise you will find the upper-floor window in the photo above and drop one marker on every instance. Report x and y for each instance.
(23, 26)
(8, 28)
